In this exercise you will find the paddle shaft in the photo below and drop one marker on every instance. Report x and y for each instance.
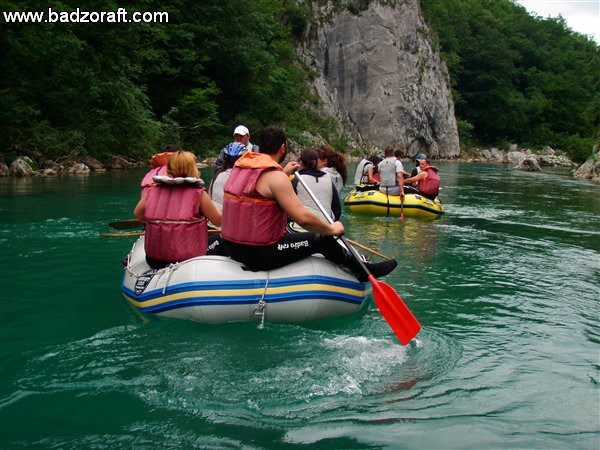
(401, 207)
(210, 231)
(400, 319)
(364, 247)
(330, 220)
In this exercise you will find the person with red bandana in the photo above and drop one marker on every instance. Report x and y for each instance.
(258, 199)
(174, 211)
(158, 162)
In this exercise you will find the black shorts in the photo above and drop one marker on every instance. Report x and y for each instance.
(290, 248)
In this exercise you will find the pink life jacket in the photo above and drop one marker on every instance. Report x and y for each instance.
(431, 184)
(248, 217)
(147, 180)
(175, 230)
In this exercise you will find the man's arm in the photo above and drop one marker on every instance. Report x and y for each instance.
(138, 212)
(220, 159)
(421, 175)
(400, 179)
(280, 188)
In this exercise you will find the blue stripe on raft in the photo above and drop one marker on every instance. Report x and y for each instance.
(247, 300)
(243, 285)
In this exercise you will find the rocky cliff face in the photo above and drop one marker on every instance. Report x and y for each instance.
(377, 70)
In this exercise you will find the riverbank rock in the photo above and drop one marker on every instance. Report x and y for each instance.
(4, 170)
(546, 157)
(22, 167)
(92, 163)
(590, 170)
(550, 157)
(48, 172)
(78, 169)
(50, 167)
(117, 162)
(529, 164)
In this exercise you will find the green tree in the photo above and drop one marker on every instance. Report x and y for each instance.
(518, 78)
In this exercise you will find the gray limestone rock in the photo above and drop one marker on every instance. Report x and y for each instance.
(379, 72)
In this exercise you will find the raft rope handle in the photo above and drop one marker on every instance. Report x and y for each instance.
(262, 305)
(387, 196)
(128, 268)
(171, 268)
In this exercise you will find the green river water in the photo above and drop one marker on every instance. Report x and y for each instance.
(506, 285)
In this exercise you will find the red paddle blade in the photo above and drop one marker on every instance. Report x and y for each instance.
(394, 311)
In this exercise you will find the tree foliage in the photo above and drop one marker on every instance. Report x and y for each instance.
(106, 88)
(130, 88)
(518, 78)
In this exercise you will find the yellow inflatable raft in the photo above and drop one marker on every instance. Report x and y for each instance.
(379, 204)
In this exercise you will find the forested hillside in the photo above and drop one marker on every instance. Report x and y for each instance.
(129, 88)
(516, 78)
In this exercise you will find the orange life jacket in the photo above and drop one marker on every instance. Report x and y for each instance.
(248, 217)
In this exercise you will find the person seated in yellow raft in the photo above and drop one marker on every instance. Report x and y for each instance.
(175, 209)
(428, 181)
(391, 174)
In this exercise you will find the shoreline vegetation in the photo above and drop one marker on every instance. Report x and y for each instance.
(520, 158)
(118, 93)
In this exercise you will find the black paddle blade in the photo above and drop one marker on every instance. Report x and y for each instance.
(128, 224)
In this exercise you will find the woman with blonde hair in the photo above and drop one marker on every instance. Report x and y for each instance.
(175, 212)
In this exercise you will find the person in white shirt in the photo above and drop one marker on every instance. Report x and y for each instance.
(232, 153)
(320, 183)
(390, 171)
(334, 164)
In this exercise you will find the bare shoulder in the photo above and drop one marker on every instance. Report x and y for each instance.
(272, 181)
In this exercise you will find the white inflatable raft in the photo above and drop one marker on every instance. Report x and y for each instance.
(216, 289)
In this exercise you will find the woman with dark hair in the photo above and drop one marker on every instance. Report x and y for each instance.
(320, 183)
(335, 165)
(367, 173)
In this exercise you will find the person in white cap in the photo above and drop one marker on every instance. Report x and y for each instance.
(240, 134)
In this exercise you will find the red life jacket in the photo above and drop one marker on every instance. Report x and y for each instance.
(248, 217)
(431, 184)
(175, 230)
